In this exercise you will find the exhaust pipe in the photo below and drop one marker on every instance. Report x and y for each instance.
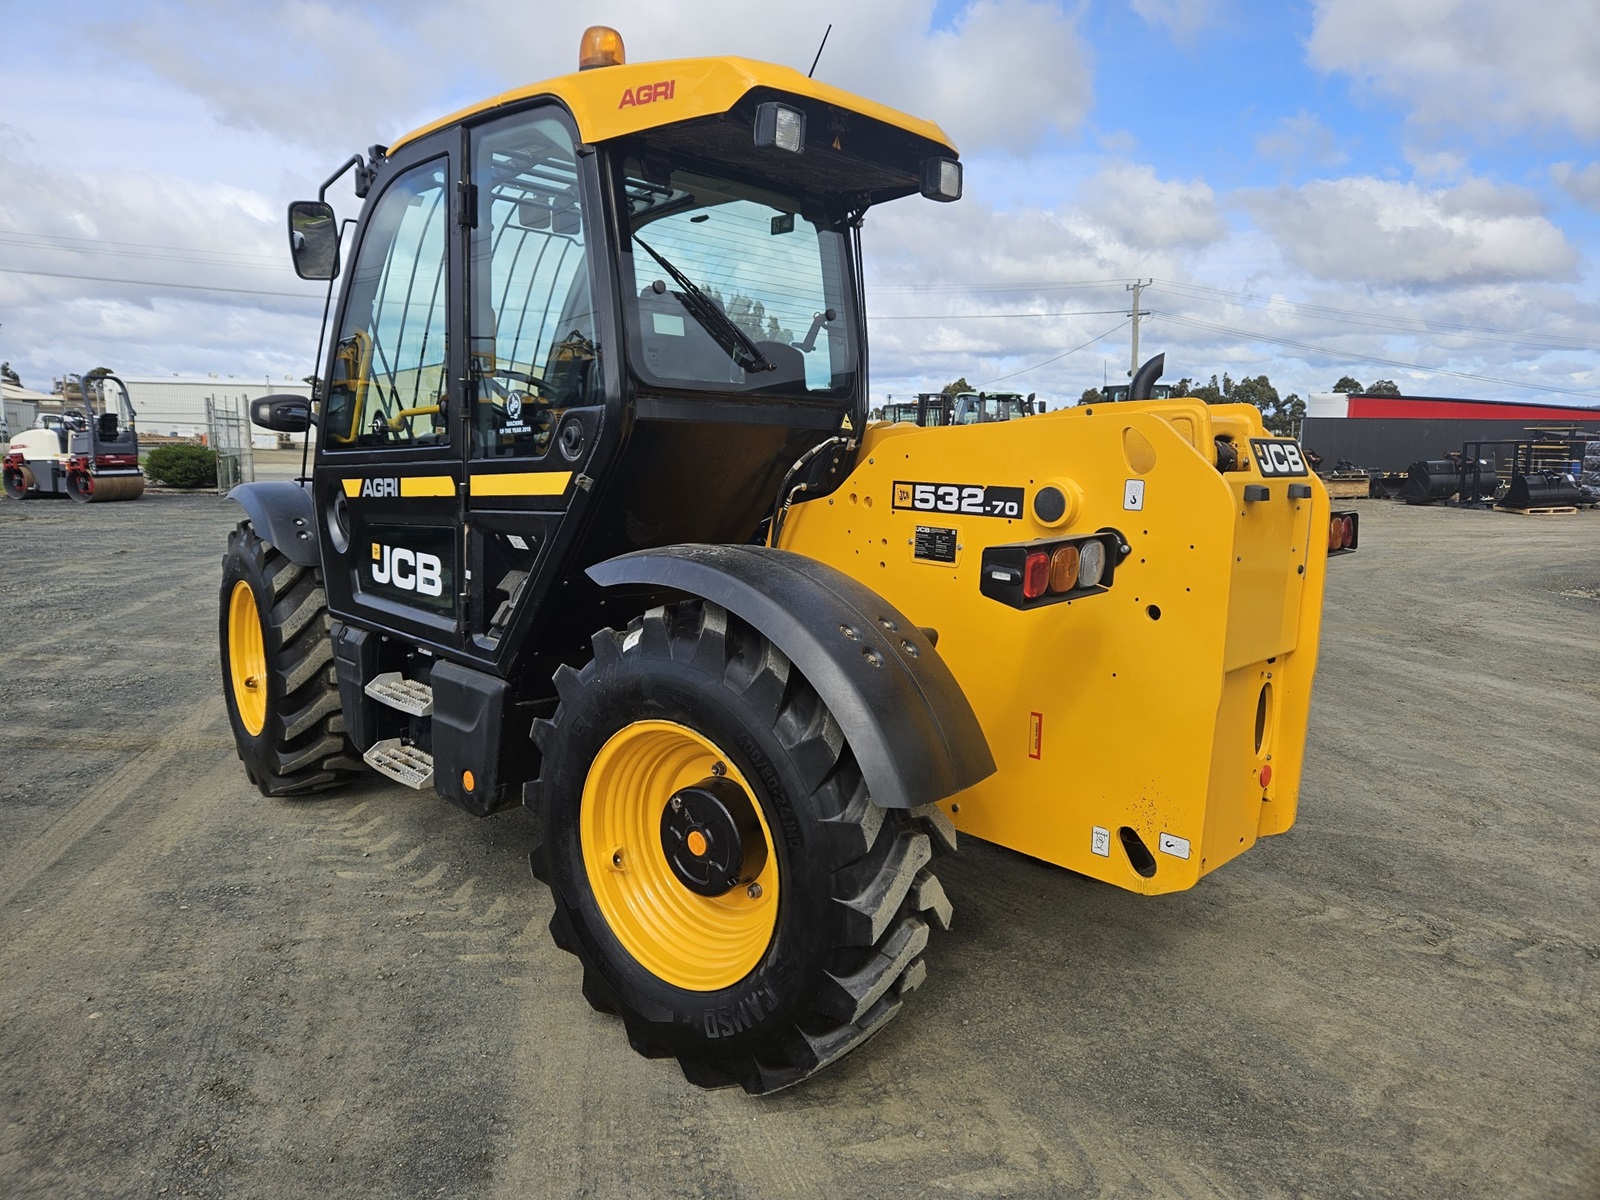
(1143, 386)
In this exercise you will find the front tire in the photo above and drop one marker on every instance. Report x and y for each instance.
(277, 670)
(821, 928)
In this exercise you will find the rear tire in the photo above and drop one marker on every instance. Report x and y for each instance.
(277, 670)
(18, 482)
(847, 900)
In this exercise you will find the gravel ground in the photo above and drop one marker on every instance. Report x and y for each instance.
(208, 993)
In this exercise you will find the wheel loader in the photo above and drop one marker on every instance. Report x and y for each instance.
(596, 524)
(88, 455)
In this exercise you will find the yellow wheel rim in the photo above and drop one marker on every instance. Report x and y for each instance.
(699, 943)
(247, 659)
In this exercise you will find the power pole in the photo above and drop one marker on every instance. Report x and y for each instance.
(1135, 287)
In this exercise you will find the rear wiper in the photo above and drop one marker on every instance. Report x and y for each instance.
(735, 342)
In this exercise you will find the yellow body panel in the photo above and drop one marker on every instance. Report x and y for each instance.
(1136, 708)
(522, 483)
(610, 102)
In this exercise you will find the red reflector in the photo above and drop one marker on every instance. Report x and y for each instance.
(1035, 575)
(1348, 533)
(1266, 774)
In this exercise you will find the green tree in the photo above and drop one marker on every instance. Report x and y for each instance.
(9, 375)
(1091, 396)
(1384, 387)
(1348, 385)
(957, 387)
(1211, 393)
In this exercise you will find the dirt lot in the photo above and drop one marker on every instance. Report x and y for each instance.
(203, 992)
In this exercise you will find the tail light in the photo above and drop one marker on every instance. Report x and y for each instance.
(1343, 532)
(1032, 574)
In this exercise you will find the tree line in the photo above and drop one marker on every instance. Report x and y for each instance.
(1281, 414)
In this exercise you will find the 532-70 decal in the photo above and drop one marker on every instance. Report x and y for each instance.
(967, 499)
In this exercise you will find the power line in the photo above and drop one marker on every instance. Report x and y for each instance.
(1367, 358)
(1084, 312)
(1058, 357)
(155, 283)
(1392, 322)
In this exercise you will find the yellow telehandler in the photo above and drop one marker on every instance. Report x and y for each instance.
(597, 524)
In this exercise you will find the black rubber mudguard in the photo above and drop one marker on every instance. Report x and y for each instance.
(902, 711)
(282, 514)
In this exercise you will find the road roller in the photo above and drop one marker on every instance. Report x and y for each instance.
(88, 455)
(597, 525)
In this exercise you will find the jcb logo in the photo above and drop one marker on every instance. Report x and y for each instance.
(1278, 458)
(648, 93)
(408, 570)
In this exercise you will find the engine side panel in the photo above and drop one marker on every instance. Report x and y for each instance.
(1133, 710)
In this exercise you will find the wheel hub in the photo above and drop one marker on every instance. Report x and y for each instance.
(712, 838)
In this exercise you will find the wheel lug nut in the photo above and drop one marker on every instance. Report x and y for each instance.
(719, 768)
(753, 891)
(616, 859)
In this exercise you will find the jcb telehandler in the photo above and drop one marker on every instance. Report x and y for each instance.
(596, 524)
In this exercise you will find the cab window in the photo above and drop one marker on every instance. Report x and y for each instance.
(534, 349)
(389, 379)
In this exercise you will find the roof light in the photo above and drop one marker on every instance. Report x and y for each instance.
(941, 179)
(601, 47)
(781, 126)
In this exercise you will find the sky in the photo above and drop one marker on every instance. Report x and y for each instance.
(1386, 189)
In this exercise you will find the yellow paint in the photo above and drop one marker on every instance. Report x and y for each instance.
(398, 421)
(522, 483)
(699, 943)
(1137, 721)
(352, 487)
(701, 87)
(427, 485)
(247, 659)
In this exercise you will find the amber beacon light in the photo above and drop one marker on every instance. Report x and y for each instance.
(601, 47)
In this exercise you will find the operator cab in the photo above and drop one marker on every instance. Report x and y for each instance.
(602, 314)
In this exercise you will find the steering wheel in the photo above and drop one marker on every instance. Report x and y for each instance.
(546, 390)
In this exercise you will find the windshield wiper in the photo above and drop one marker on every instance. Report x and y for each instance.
(735, 342)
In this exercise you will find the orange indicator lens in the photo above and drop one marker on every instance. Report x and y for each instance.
(1064, 569)
(1336, 534)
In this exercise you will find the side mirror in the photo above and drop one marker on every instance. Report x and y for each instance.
(314, 239)
(282, 414)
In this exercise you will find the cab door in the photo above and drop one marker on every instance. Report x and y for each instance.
(388, 479)
(537, 392)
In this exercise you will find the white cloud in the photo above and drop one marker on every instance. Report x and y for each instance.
(1006, 74)
(1581, 183)
(1143, 211)
(1302, 137)
(1380, 232)
(1183, 18)
(1465, 62)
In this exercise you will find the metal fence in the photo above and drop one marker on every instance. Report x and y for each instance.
(229, 431)
(223, 426)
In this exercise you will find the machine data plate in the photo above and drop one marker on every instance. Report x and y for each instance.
(934, 544)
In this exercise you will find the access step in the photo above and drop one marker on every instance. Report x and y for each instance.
(401, 763)
(409, 696)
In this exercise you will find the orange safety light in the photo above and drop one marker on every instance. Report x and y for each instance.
(601, 47)
(1064, 569)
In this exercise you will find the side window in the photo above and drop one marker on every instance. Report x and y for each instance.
(389, 373)
(533, 330)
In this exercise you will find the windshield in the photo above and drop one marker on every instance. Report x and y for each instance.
(734, 288)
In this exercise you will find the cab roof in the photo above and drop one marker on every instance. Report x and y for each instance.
(614, 101)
